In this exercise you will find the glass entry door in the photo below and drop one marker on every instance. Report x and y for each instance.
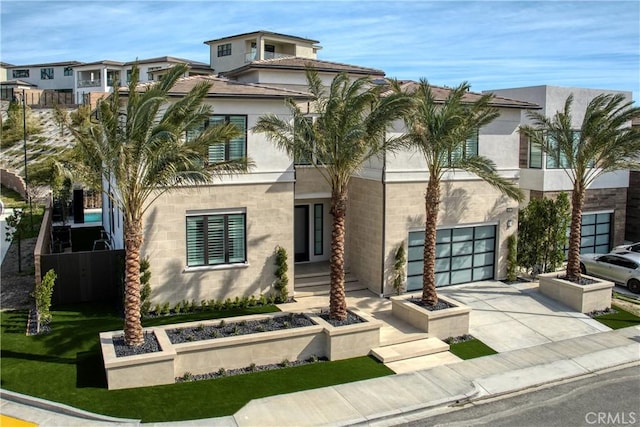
(301, 233)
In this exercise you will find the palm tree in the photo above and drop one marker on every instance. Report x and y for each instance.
(439, 129)
(350, 128)
(604, 143)
(141, 149)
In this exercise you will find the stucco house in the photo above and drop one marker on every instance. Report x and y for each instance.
(218, 241)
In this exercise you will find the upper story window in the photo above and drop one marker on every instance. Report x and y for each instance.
(150, 72)
(216, 239)
(68, 71)
(555, 159)
(224, 49)
(17, 74)
(233, 149)
(46, 73)
(466, 150)
(129, 75)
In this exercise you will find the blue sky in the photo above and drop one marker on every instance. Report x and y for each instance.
(491, 44)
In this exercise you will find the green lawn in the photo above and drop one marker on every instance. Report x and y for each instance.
(471, 349)
(66, 366)
(621, 319)
(11, 199)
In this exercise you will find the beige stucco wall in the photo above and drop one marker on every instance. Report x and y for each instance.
(269, 223)
(463, 203)
(365, 232)
(310, 183)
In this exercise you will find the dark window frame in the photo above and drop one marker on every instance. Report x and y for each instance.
(225, 239)
(47, 73)
(68, 71)
(224, 50)
(20, 74)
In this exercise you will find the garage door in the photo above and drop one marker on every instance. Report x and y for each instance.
(596, 233)
(464, 254)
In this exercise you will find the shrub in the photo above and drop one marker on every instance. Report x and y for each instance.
(512, 258)
(42, 294)
(281, 283)
(145, 288)
(398, 269)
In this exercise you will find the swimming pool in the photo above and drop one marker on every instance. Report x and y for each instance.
(93, 216)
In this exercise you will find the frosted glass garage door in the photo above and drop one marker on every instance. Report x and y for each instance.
(463, 255)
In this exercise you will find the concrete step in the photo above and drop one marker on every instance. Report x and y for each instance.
(409, 350)
(325, 288)
(423, 362)
(319, 280)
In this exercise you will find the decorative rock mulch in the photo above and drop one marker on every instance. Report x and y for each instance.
(440, 305)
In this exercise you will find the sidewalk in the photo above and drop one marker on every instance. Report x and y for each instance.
(539, 342)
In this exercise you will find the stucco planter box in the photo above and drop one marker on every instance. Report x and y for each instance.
(442, 324)
(345, 342)
(205, 356)
(582, 298)
(141, 370)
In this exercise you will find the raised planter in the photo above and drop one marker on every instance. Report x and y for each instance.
(449, 322)
(582, 298)
(205, 356)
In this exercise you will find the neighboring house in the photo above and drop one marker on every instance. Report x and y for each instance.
(101, 76)
(53, 76)
(604, 213)
(4, 71)
(233, 52)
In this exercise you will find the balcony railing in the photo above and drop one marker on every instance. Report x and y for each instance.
(252, 56)
(89, 83)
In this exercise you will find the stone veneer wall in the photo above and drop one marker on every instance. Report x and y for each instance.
(269, 223)
(310, 181)
(365, 231)
(462, 203)
(632, 231)
(598, 200)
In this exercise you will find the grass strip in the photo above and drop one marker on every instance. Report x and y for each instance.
(471, 349)
(621, 319)
(66, 366)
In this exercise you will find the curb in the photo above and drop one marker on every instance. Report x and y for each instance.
(59, 408)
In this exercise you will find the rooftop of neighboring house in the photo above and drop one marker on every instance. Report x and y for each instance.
(46, 64)
(17, 83)
(300, 64)
(263, 33)
(441, 94)
(225, 88)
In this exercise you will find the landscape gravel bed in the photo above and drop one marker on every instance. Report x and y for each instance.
(351, 319)
(440, 305)
(228, 329)
(187, 377)
(150, 345)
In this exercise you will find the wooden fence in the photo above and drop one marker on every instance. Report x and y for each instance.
(86, 276)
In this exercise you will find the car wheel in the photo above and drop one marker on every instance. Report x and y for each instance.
(634, 286)
(583, 269)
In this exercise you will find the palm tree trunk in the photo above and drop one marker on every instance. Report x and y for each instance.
(432, 205)
(132, 324)
(575, 234)
(337, 300)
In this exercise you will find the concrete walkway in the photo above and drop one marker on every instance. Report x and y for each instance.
(539, 342)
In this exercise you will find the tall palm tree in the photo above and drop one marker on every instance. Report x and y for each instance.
(350, 127)
(604, 143)
(141, 149)
(439, 130)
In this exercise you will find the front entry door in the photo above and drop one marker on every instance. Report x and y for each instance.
(301, 233)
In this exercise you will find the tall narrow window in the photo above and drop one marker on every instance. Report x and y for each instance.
(318, 242)
(535, 156)
(216, 239)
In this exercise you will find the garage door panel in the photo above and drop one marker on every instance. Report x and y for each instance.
(463, 255)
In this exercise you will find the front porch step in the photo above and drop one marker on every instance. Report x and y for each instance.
(409, 350)
(324, 288)
(320, 280)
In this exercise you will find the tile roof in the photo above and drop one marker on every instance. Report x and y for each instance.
(441, 94)
(297, 63)
(225, 88)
